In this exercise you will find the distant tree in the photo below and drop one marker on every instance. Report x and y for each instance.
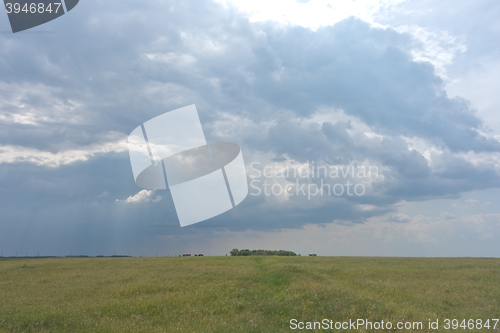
(247, 252)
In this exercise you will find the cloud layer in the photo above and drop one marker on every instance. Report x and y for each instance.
(349, 94)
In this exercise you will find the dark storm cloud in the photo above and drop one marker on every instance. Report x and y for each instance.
(114, 64)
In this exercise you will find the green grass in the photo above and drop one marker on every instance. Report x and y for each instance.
(240, 294)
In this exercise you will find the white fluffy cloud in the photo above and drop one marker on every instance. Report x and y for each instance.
(311, 13)
(142, 196)
(28, 103)
(19, 154)
(435, 46)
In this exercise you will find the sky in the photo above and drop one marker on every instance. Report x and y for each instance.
(406, 90)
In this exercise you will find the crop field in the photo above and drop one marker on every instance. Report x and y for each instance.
(245, 294)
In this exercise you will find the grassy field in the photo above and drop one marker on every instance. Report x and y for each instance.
(241, 294)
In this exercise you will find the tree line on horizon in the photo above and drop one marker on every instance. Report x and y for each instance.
(247, 252)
